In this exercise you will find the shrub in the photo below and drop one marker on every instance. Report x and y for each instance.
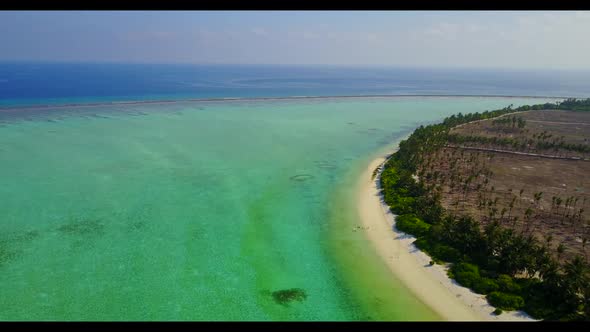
(428, 247)
(402, 204)
(507, 285)
(465, 267)
(423, 244)
(505, 301)
(498, 311)
(466, 278)
(409, 223)
(465, 274)
(484, 285)
(446, 253)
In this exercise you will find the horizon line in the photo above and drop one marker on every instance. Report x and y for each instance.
(397, 66)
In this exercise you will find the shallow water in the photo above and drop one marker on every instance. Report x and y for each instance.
(200, 211)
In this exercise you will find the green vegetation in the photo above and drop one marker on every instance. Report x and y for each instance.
(573, 104)
(513, 269)
(505, 301)
(409, 223)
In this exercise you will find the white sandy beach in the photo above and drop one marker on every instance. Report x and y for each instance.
(430, 283)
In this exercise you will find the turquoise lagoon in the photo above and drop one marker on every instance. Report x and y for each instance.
(201, 210)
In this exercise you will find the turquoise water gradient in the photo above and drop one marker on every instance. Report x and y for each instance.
(198, 211)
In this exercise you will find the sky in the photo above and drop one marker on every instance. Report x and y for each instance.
(480, 39)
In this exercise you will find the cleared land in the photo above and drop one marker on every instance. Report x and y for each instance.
(559, 133)
(546, 197)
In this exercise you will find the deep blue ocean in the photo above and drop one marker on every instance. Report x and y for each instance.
(63, 83)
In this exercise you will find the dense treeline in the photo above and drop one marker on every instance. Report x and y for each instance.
(573, 104)
(514, 270)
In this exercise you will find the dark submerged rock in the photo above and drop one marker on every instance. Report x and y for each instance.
(286, 296)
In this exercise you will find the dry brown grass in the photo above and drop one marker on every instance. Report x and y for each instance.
(571, 127)
(497, 179)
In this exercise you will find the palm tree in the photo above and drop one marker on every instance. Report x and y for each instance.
(537, 197)
(560, 251)
(492, 213)
(548, 240)
(502, 213)
(587, 302)
(575, 279)
(558, 202)
(511, 206)
(514, 222)
(527, 219)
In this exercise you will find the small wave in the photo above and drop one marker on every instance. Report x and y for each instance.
(325, 164)
(222, 99)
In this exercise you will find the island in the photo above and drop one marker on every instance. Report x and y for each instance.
(497, 201)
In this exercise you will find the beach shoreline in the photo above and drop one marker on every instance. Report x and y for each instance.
(412, 266)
